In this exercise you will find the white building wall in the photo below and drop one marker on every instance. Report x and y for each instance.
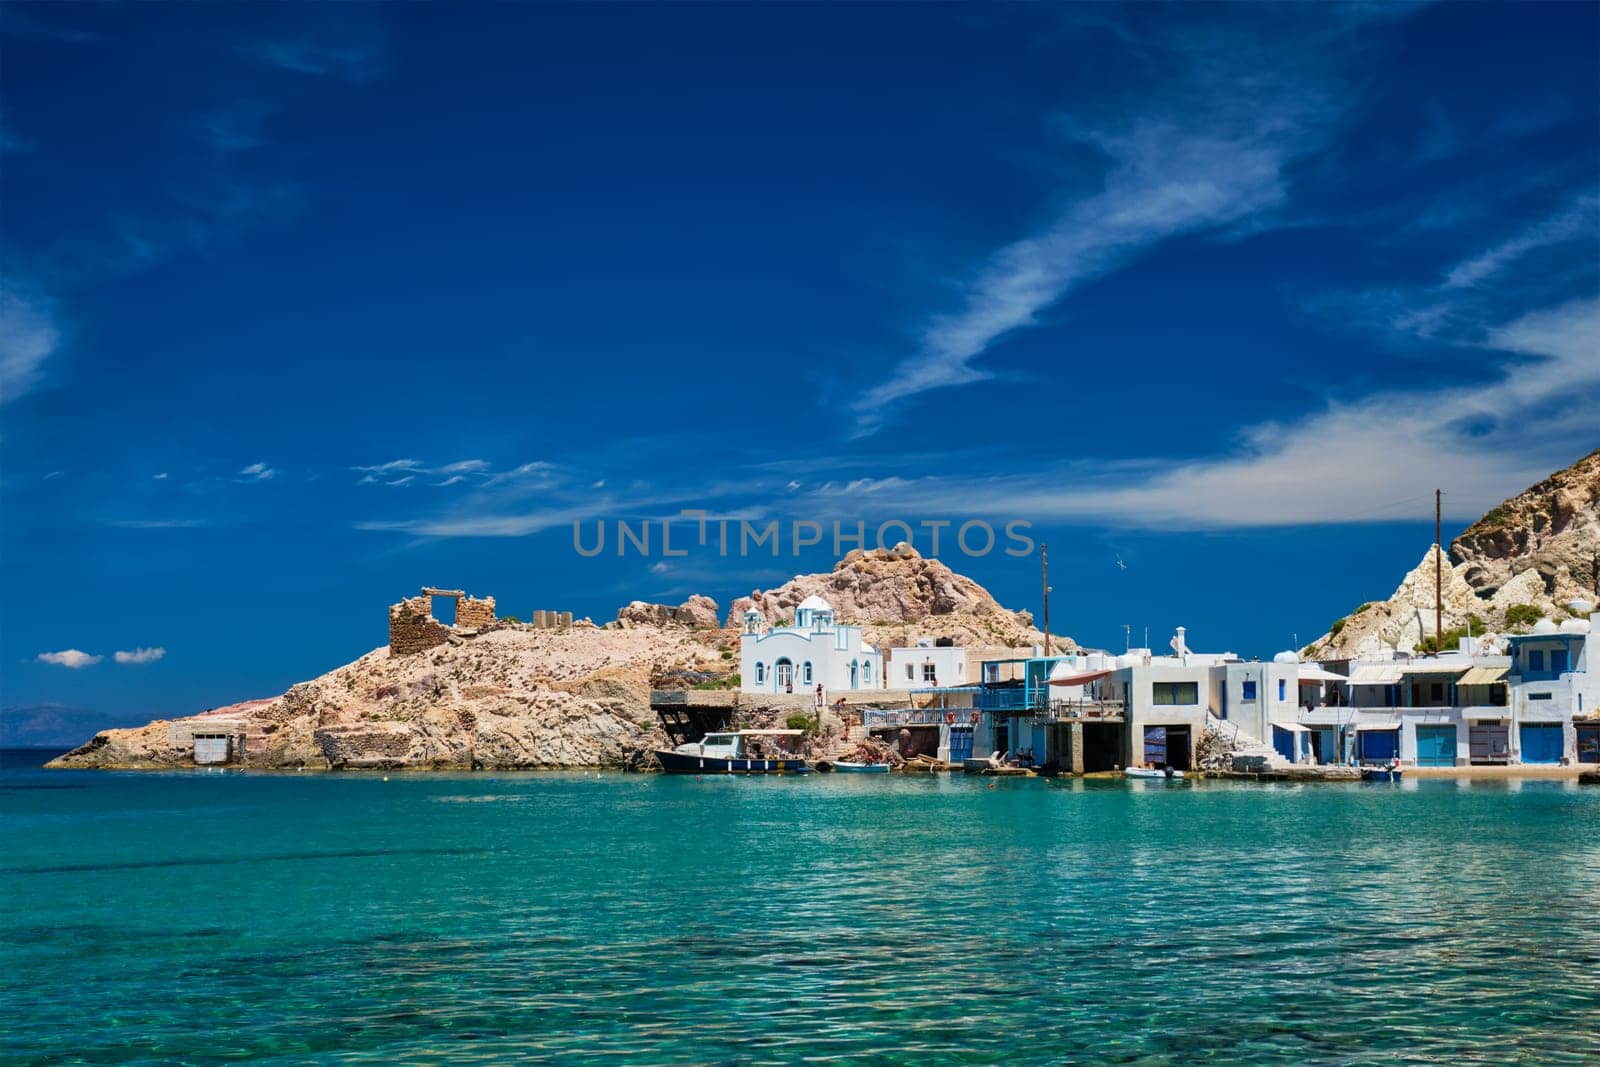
(829, 652)
(1136, 687)
(908, 668)
(1253, 696)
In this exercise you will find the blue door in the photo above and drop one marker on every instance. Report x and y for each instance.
(960, 743)
(1378, 745)
(1589, 744)
(1436, 746)
(1326, 746)
(1155, 746)
(1541, 742)
(1283, 741)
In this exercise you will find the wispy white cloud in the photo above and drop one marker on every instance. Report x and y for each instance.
(12, 141)
(236, 127)
(409, 469)
(1374, 458)
(28, 338)
(1578, 220)
(70, 658)
(356, 61)
(392, 466)
(161, 477)
(139, 655)
(257, 472)
(159, 524)
(536, 472)
(1206, 152)
(478, 523)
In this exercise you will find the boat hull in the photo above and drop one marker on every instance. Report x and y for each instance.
(679, 763)
(1146, 774)
(1380, 774)
(860, 768)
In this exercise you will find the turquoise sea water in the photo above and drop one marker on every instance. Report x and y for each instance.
(202, 917)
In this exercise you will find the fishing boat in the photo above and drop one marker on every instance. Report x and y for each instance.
(1152, 772)
(731, 753)
(846, 767)
(1381, 773)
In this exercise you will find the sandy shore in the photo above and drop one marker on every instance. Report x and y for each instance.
(1519, 771)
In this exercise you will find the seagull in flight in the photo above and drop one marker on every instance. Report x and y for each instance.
(1121, 566)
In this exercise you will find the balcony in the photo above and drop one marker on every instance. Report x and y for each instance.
(1009, 701)
(1082, 711)
(874, 717)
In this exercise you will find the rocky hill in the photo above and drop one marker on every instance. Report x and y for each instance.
(1551, 530)
(507, 695)
(897, 594)
(1527, 558)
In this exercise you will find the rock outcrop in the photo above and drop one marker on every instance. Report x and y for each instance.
(513, 697)
(697, 613)
(1550, 531)
(896, 593)
(506, 695)
(1528, 557)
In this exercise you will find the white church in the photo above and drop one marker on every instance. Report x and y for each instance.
(815, 650)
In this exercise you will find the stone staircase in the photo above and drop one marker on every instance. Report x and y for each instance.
(1249, 753)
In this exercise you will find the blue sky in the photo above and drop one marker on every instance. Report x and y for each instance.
(306, 306)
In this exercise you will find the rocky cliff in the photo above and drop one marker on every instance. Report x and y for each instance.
(1528, 557)
(519, 696)
(1551, 531)
(511, 697)
(896, 594)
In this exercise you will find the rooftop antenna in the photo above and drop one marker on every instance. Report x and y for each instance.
(1127, 637)
(1146, 637)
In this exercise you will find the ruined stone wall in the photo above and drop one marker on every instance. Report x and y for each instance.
(473, 613)
(413, 629)
(550, 620)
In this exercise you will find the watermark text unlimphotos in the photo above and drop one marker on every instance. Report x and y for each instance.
(695, 529)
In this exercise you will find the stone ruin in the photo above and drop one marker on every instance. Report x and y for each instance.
(550, 620)
(413, 629)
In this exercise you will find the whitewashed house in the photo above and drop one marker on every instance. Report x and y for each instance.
(814, 650)
(929, 665)
(1555, 692)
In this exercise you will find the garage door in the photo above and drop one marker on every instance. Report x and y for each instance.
(1589, 744)
(1436, 746)
(1490, 744)
(1283, 742)
(1541, 743)
(1379, 745)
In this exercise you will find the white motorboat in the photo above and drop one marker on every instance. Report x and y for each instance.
(1166, 773)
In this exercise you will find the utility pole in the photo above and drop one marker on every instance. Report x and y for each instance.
(1044, 581)
(1438, 573)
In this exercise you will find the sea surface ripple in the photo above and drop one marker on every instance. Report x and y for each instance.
(210, 917)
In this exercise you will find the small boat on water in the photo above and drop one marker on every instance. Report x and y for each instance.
(733, 753)
(846, 767)
(1152, 772)
(1380, 774)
